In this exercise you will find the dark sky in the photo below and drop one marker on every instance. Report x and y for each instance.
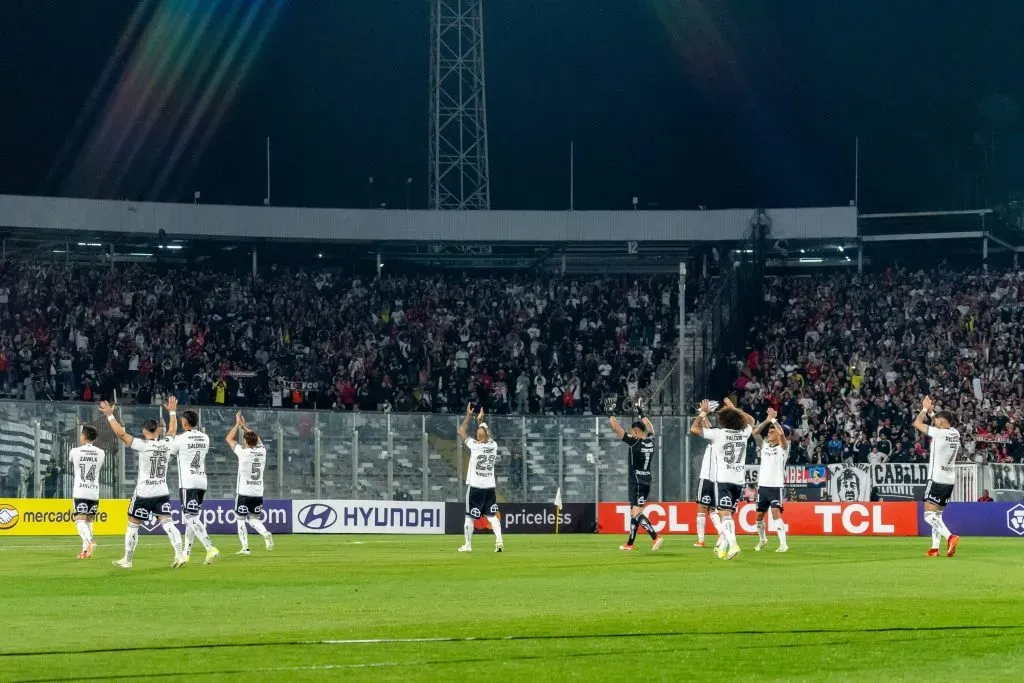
(682, 102)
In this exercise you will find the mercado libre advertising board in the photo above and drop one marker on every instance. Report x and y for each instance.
(54, 517)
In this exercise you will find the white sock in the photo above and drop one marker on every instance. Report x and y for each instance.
(729, 531)
(91, 535)
(257, 524)
(190, 535)
(467, 529)
(701, 521)
(131, 539)
(196, 529)
(780, 529)
(716, 521)
(173, 534)
(934, 520)
(496, 527)
(83, 532)
(936, 539)
(761, 535)
(243, 534)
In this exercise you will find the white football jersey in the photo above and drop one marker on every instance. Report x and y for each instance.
(251, 462)
(705, 464)
(482, 456)
(942, 455)
(728, 451)
(773, 465)
(191, 448)
(153, 458)
(86, 463)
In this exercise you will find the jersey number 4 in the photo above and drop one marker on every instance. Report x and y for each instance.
(195, 463)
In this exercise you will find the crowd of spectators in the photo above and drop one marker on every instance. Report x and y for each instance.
(315, 338)
(846, 360)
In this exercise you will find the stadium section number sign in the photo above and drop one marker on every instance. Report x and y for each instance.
(367, 517)
(802, 519)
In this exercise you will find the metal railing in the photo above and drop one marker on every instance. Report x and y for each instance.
(386, 456)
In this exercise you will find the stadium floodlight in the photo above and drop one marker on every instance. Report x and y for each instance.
(811, 260)
(458, 174)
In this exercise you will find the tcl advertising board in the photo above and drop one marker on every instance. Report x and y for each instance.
(802, 519)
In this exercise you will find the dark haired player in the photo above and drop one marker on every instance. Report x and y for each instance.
(252, 458)
(190, 447)
(481, 484)
(151, 500)
(942, 452)
(771, 479)
(86, 461)
(728, 450)
(641, 451)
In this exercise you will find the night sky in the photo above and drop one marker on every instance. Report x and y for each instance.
(681, 102)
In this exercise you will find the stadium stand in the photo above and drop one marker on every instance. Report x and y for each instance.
(845, 360)
(537, 344)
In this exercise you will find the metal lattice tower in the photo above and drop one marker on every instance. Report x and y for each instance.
(458, 175)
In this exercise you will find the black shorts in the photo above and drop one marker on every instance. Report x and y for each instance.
(706, 493)
(938, 494)
(192, 501)
(639, 492)
(248, 505)
(148, 509)
(727, 496)
(84, 506)
(769, 497)
(481, 502)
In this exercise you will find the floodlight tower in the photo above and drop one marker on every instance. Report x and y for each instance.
(458, 174)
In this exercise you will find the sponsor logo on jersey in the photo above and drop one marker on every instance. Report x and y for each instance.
(1015, 519)
(317, 516)
(8, 516)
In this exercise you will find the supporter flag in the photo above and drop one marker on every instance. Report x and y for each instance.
(558, 507)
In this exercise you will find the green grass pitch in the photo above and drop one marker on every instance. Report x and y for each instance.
(549, 608)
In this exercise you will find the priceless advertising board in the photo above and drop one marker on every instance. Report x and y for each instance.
(367, 517)
(982, 519)
(220, 518)
(529, 518)
(801, 519)
(54, 517)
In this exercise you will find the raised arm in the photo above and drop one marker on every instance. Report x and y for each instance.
(749, 419)
(701, 421)
(464, 427)
(108, 410)
(783, 439)
(616, 427)
(232, 437)
(172, 411)
(758, 439)
(919, 422)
